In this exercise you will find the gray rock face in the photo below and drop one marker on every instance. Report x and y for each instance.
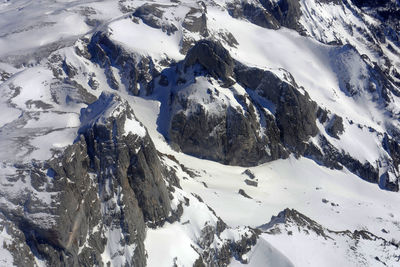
(244, 194)
(53, 230)
(229, 138)
(289, 219)
(254, 13)
(287, 12)
(195, 23)
(292, 216)
(269, 14)
(331, 157)
(290, 223)
(214, 58)
(389, 184)
(251, 182)
(136, 157)
(249, 173)
(387, 11)
(393, 148)
(212, 256)
(232, 136)
(295, 113)
(335, 126)
(151, 14)
(17, 246)
(135, 75)
(109, 185)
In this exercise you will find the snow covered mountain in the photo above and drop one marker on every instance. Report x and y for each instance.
(199, 133)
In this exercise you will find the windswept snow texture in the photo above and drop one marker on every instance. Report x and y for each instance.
(345, 58)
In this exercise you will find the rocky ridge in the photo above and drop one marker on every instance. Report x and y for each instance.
(290, 223)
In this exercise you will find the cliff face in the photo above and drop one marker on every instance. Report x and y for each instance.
(108, 186)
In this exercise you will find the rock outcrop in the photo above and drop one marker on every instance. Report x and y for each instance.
(290, 224)
(256, 14)
(215, 59)
(269, 14)
(241, 132)
(294, 112)
(135, 72)
(230, 131)
(106, 188)
(152, 14)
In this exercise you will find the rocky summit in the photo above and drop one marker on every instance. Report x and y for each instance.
(200, 133)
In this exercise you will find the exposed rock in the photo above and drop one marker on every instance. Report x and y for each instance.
(228, 138)
(251, 182)
(331, 157)
(243, 246)
(390, 179)
(93, 83)
(254, 13)
(322, 115)
(214, 58)
(232, 135)
(243, 193)
(293, 217)
(17, 245)
(286, 12)
(110, 182)
(228, 38)
(393, 148)
(4, 75)
(70, 70)
(335, 126)
(152, 14)
(135, 155)
(232, 248)
(196, 21)
(389, 183)
(199, 263)
(291, 224)
(295, 113)
(269, 14)
(135, 75)
(229, 135)
(249, 173)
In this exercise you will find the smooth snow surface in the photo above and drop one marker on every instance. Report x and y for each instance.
(145, 40)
